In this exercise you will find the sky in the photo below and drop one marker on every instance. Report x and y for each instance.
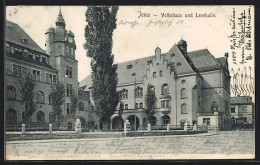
(137, 35)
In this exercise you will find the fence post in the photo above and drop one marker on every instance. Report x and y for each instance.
(168, 127)
(50, 128)
(195, 128)
(78, 126)
(125, 129)
(23, 128)
(149, 127)
(185, 126)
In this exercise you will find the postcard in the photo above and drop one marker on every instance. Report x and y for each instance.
(129, 82)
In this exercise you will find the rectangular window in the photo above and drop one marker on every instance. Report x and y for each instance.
(19, 71)
(59, 49)
(71, 51)
(69, 89)
(49, 99)
(36, 75)
(15, 70)
(81, 106)
(136, 105)
(167, 103)
(67, 49)
(126, 94)
(54, 79)
(47, 78)
(244, 108)
(233, 110)
(68, 71)
(206, 121)
(68, 108)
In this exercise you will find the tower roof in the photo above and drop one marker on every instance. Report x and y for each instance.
(181, 42)
(60, 20)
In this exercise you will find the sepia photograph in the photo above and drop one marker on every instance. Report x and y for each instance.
(129, 82)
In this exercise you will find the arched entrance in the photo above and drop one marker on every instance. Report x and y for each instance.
(118, 123)
(11, 116)
(166, 120)
(40, 117)
(132, 122)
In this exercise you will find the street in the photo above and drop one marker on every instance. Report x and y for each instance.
(221, 145)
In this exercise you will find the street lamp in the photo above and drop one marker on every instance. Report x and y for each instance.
(134, 101)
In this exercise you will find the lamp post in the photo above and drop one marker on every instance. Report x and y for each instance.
(134, 101)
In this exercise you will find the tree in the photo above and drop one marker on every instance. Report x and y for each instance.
(26, 88)
(74, 103)
(150, 100)
(57, 99)
(101, 22)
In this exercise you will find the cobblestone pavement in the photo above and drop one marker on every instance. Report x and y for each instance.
(223, 145)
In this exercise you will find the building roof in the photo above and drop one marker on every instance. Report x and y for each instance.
(204, 60)
(241, 99)
(15, 34)
(201, 60)
(60, 18)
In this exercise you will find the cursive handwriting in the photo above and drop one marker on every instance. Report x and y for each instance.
(240, 38)
(242, 82)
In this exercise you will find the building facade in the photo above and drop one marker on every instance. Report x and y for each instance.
(56, 63)
(189, 86)
(242, 110)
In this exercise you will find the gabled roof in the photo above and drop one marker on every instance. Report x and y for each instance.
(201, 60)
(223, 62)
(204, 60)
(185, 66)
(14, 34)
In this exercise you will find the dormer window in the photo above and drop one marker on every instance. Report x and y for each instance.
(129, 66)
(24, 40)
(149, 62)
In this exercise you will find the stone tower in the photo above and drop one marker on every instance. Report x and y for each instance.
(60, 45)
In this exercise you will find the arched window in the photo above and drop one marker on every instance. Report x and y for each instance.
(11, 92)
(161, 73)
(40, 117)
(183, 93)
(166, 120)
(165, 89)
(126, 106)
(183, 109)
(40, 97)
(154, 74)
(141, 105)
(214, 107)
(11, 116)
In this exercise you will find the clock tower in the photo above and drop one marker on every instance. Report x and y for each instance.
(61, 46)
